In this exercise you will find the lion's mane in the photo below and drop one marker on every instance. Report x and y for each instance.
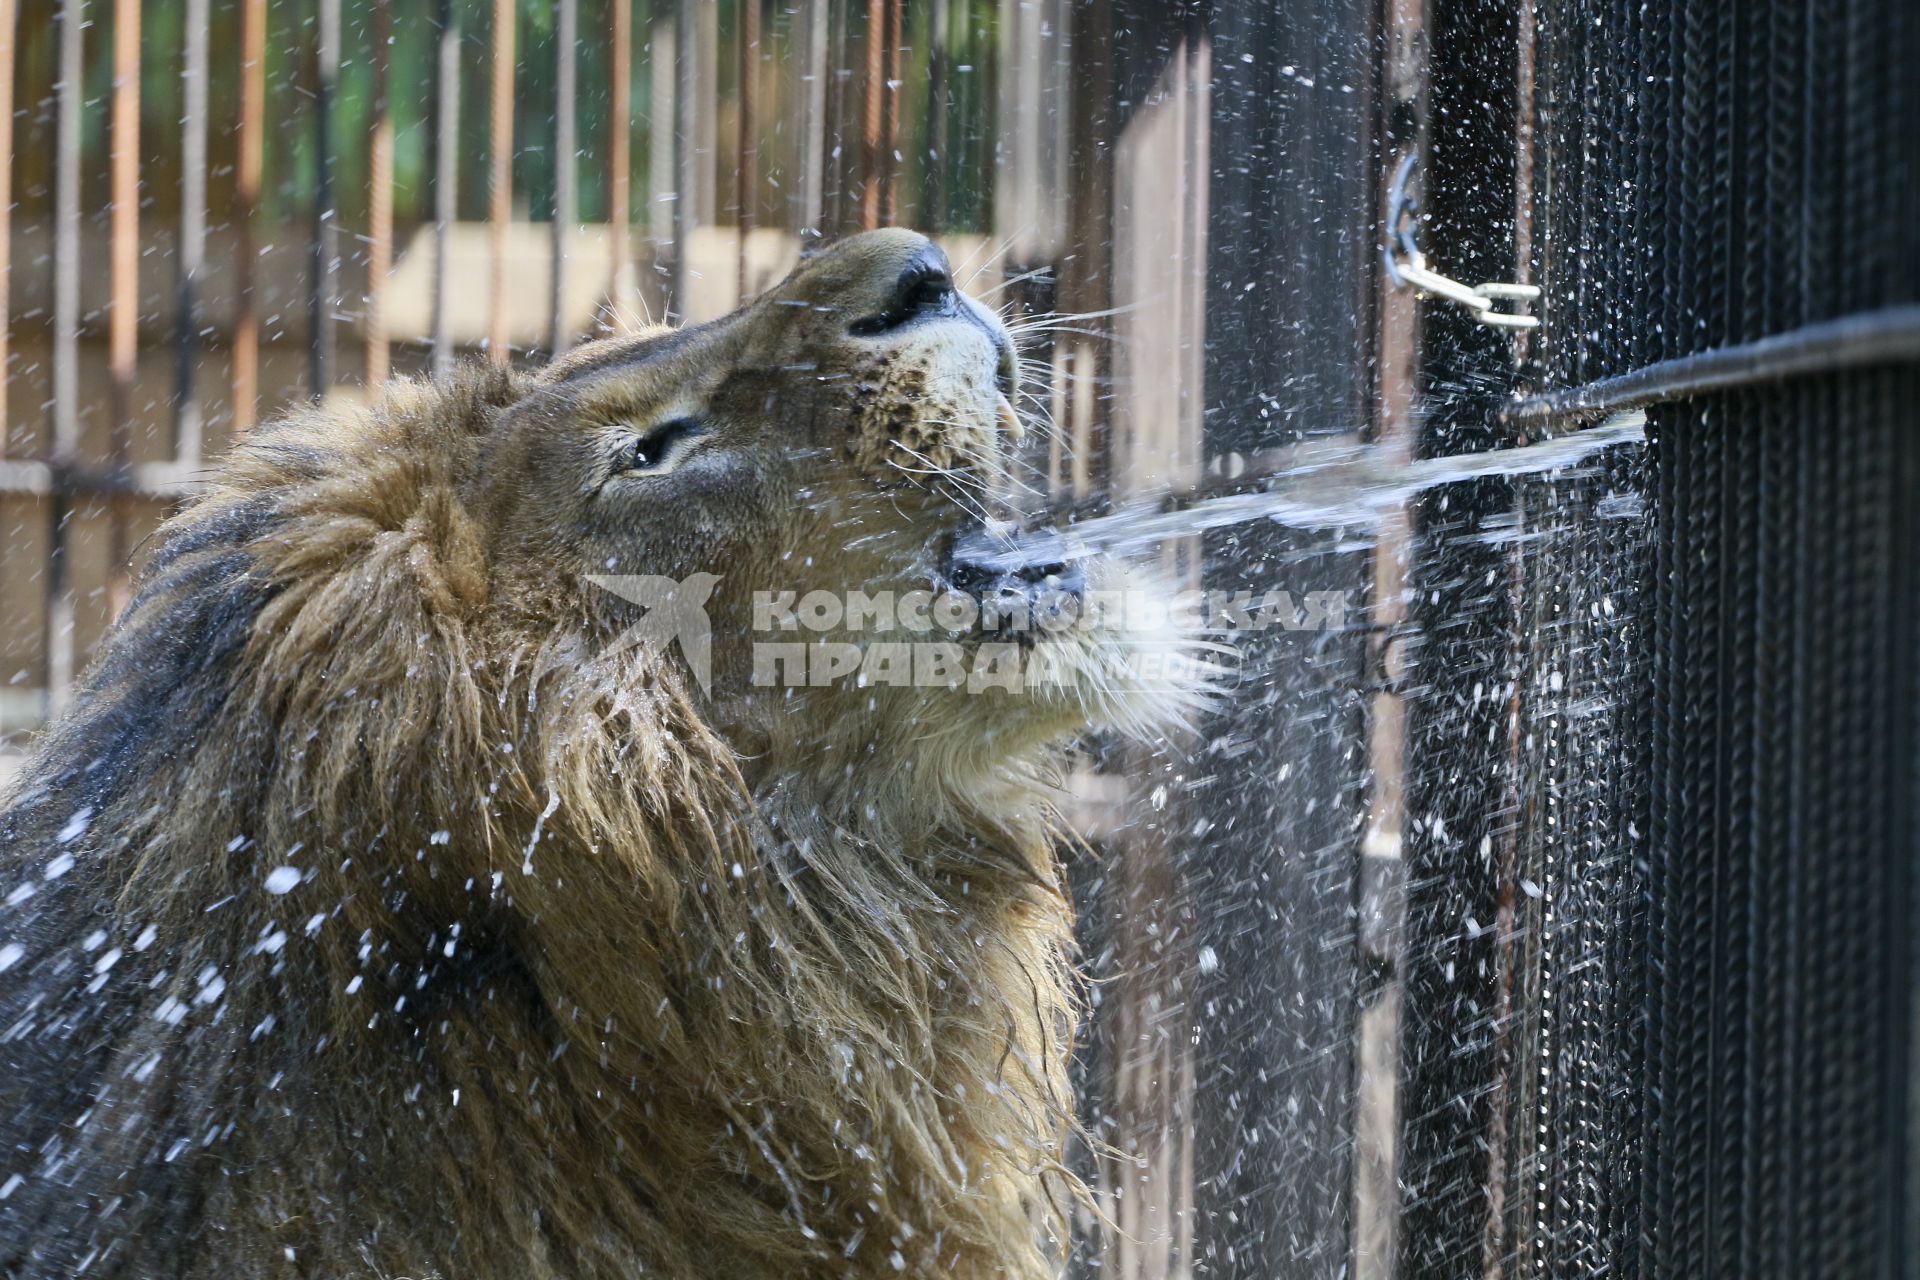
(368, 914)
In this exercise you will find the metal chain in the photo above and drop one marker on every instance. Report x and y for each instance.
(1410, 267)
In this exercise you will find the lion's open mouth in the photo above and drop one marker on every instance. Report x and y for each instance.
(1025, 587)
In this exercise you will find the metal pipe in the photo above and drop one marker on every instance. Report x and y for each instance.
(1889, 336)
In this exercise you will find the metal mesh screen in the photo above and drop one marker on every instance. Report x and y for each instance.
(1660, 979)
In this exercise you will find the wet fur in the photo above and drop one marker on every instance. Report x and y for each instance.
(571, 985)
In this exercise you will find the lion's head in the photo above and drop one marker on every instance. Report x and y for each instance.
(379, 863)
(819, 469)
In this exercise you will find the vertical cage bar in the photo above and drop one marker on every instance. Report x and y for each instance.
(619, 168)
(323, 264)
(7, 24)
(379, 195)
(662, 59)
(686, 83)
(446, 141)
(71, 95)
(565, 163)
(745, 149)
(873, 118)
(835, 160)
(499, 178)
(890, 111)
(190, 259)
(123, 321)
(939, 106)
(246, 207)
(811, 29)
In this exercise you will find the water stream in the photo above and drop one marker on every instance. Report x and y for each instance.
(1342, 487)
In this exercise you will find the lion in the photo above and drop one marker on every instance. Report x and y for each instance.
(383, 907)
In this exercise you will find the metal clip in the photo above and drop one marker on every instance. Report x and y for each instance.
(1411, 269)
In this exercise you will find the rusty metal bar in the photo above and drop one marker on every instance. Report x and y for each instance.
(8, 23)
(446, 115)
(745, 187)
(874, 118)
(323, 262)
(190, 257)
(123, 316)
(619, 168)
(246, 207)
(380, 196)
(565, 165)
(499, 177)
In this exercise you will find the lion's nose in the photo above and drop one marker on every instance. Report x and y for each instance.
(922, 287)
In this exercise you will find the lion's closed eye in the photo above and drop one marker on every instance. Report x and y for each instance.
(659, 448)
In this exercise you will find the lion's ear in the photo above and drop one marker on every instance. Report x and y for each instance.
(447, 555)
